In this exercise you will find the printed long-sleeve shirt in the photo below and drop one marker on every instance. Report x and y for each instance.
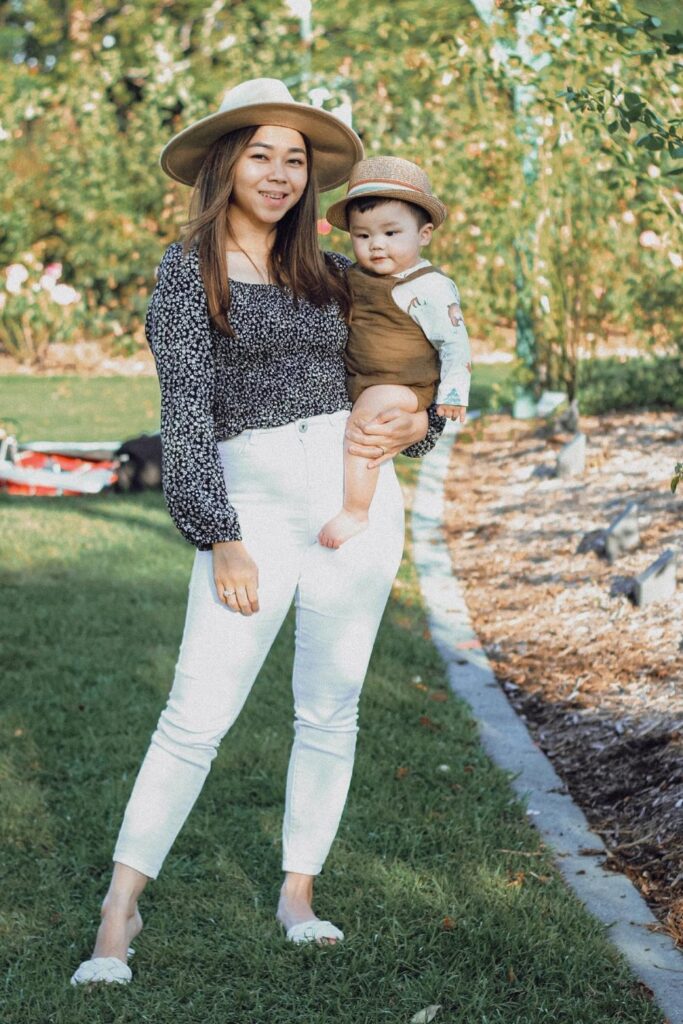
(433, 302)
(284, 363)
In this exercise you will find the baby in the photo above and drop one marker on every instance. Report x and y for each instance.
(406, 331)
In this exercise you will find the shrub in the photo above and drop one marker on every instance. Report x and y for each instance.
(607, 385)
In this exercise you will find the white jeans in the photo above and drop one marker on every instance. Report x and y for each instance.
(285, 483)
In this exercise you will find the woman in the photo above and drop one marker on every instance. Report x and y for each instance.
(248, 348)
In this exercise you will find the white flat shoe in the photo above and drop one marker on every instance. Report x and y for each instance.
(312, 931)
(107, 969)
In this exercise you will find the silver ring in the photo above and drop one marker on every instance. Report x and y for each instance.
(229, 593)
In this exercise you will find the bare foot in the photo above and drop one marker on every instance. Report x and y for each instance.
(294, 907)
(341, 528)
(121, 923)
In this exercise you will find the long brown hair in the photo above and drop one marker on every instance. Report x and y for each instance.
(295, 259)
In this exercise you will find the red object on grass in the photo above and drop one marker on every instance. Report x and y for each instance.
(41, 474)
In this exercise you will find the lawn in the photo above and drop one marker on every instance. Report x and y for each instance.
(436, 907)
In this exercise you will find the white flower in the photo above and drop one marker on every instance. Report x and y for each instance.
(628, 217)
(16, 275)
(64, 294)
(653, 171)
(226, 42)
(47, 282)
(676, 260)
(649, 240)
(474, 230)
(4, 135)
(545, 303)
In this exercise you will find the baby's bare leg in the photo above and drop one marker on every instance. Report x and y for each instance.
(359, 481)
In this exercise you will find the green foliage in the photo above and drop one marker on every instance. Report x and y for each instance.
(37, 308)
(606, 385)
(593, 220)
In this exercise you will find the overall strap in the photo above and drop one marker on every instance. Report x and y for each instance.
(420, 272)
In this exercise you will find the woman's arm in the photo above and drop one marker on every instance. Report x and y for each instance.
(412, 433)
(178, 332)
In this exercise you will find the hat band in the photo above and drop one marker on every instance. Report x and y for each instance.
(365, 187)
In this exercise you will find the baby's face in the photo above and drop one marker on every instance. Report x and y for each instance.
(387, 238)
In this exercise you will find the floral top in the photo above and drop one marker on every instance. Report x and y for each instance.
(284, 363)
(433, 302)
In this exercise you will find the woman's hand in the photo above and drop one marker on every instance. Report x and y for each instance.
(386, 435)
(235, 574)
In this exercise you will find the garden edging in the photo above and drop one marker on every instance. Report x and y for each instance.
(610, 897)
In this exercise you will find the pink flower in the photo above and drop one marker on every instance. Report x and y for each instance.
(54, 270)
(324, 226)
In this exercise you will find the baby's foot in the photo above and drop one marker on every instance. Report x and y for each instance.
(341, 528)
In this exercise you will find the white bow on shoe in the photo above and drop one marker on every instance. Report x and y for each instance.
(312, 931)
(107, 969)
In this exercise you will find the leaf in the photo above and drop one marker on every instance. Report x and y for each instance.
(424, 1016)
(427, 722)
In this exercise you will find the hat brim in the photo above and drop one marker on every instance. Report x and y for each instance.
(337, 216)
(336, 147)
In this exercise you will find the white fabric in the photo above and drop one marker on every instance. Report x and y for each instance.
(433, 302)
(285, 483)
(107, 969)
(312, 931)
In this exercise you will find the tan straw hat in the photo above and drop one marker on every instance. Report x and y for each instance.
(388, 177)
(261, 101)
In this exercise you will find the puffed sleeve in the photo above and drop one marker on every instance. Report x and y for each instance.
(434, 432)
(177, 328)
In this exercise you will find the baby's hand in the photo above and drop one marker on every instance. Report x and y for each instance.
(453, 412)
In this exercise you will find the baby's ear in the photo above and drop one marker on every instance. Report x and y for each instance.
(426, 233)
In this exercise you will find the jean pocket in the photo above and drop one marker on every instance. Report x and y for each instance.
(233, 447)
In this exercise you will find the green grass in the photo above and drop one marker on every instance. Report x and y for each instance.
(434, 911)
(486, 377)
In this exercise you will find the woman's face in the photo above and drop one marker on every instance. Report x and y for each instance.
(270, 175)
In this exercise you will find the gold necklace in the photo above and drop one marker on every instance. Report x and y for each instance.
(264, 276)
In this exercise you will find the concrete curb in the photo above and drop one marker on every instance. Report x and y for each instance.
(610, 897)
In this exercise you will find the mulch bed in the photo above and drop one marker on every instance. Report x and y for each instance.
(598, 681)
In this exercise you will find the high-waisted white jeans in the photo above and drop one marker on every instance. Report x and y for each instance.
(285, 483)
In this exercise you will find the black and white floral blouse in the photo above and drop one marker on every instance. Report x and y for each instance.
(283, 364)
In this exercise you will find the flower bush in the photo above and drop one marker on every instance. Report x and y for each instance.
(593, 235)
(36, 308)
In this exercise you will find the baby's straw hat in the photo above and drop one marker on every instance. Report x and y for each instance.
(388, 177)
(261, 101)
